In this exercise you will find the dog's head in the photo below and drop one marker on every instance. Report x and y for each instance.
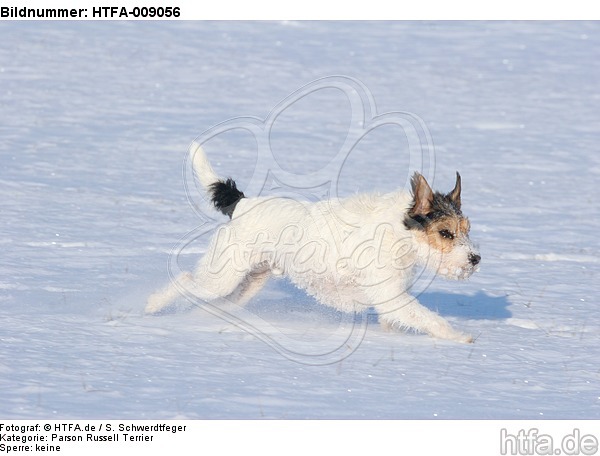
(441, 231)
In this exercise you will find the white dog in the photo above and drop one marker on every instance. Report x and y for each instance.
(351, 254)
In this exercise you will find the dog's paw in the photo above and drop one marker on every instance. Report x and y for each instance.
(155, 304)
(455, 336)
(465, 338)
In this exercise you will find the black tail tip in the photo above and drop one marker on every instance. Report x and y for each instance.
(225, 196)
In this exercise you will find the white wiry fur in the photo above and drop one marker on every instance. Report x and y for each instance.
(350, 254)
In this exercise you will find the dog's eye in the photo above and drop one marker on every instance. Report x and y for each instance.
(446, 234)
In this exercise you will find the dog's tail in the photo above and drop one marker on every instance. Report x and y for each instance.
(223, 193)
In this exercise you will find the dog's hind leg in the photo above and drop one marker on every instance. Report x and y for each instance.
(224, 272)
(164, 297)
(205, 286)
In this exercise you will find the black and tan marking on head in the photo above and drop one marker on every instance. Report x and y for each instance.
(437, 216)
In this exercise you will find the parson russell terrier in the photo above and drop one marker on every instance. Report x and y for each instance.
(351, 254)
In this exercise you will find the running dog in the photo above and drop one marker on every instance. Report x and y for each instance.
(351, 254)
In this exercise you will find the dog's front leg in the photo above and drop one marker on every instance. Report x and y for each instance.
(406, 312)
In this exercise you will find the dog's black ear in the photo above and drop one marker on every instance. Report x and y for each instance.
(455, 193)
(422, 194)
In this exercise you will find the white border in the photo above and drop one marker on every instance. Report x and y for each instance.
(347, 10)
(302, 438)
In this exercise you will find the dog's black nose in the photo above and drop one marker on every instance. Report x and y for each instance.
(474, 259)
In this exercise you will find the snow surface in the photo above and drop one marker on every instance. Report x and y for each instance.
(95, 121)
